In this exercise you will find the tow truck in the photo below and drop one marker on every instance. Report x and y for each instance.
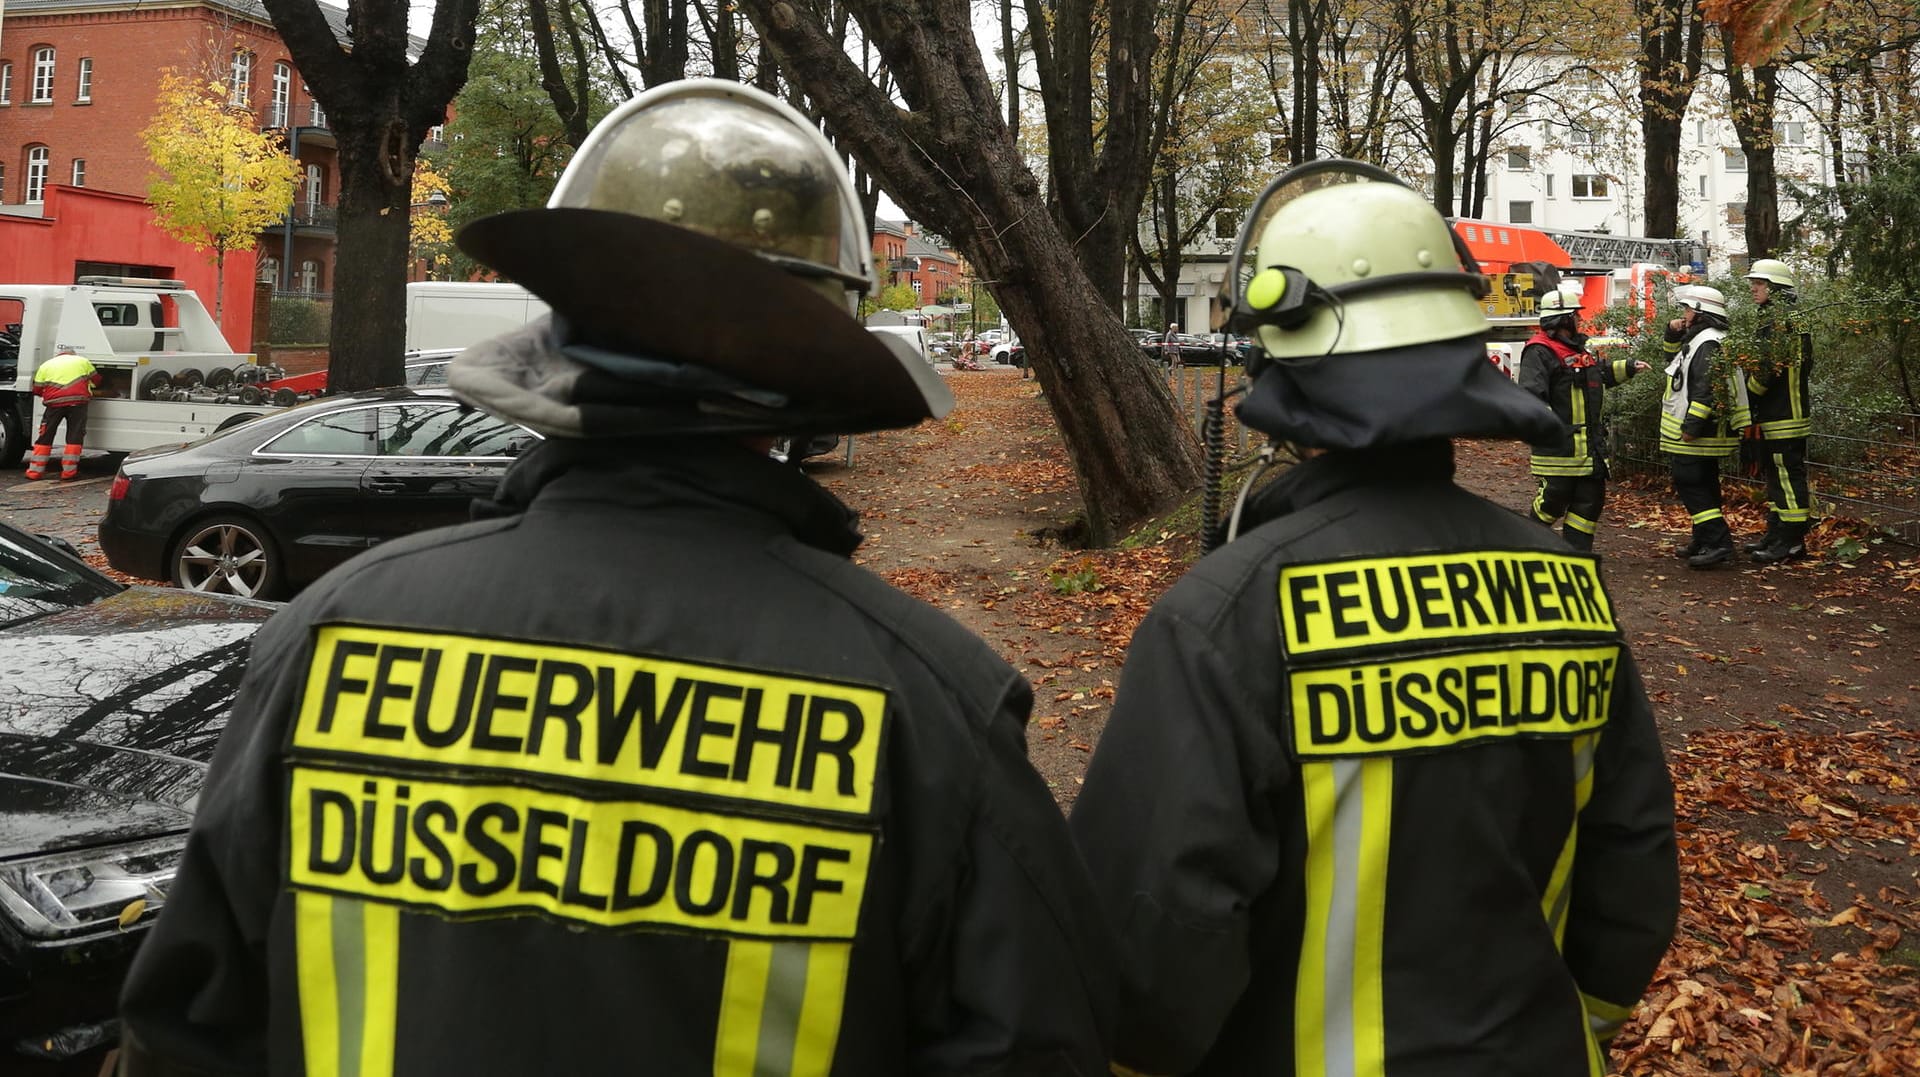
(169, 373)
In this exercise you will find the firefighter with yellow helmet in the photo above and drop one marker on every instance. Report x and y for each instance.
(639, 773)
(1781, 391)
(1381, 792)
(1556, 367)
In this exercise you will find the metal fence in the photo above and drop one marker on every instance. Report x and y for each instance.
(1875, 478)
(1192, 387)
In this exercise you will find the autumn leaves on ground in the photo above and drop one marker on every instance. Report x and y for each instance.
(1789, 699)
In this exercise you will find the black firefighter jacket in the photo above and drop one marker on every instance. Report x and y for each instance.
(1381, 795)
(1573, 383)
(647, 778)
(1780, 387)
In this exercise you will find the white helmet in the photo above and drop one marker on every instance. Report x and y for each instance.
(1559, 303)
(1773, 271)
(1701, 298)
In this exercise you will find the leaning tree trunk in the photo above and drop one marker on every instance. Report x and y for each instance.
(948, 158)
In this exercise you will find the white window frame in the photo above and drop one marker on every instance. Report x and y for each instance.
(39, 160)
(1581, 135)
(240, 78)
(1734, 158)
(315, 182)
(6, 83)
(268, 270)
(1523, 154)
(309, 276)
(1549, 185)
(83, 91)
(1737, 214)
(43, 69)
(1785, 132)
(1514, 218)
(78, 174)
(316, 116)
(282, 93)
(1703, 185)
(1593, 180)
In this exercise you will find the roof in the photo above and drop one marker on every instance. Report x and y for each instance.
(247, 9)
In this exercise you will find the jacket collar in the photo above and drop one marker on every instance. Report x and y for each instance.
(1328, 474)
(705, 474)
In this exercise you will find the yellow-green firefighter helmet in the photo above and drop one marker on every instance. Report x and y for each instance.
(1773, 271)
(1370, 265)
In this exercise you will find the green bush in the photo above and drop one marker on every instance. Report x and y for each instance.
(300, 321)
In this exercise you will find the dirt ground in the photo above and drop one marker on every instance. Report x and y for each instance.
(1787, 697)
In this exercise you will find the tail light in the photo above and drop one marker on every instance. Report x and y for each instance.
(118, 491)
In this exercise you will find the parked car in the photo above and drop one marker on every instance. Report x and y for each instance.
(114, 698)
(262, 509)
(1194, 351)
(427, 368)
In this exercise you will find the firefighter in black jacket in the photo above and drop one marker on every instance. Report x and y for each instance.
(641, 775)
(1381, 794)
(1572, 468)
(1780, 391)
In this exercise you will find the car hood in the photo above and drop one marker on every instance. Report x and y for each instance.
(111, 712)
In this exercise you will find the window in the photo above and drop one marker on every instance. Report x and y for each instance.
(1226, 224)
(1580, 135)
(240, 78)
(1699, 132)
(1790, 133)
(309, 276)
(42, 75)
(268, 270)
(3, 183)
(85, 91)
(37, 159)
(344, 433)
(282, 93)
(437, 133)
(1703, 186)
(6, 84)
(316, 115)
(1736, 213)
(1520, 212)
(447, 430)
(1549, 185)
(117, 313)
(1589, 186)
(79, 171)
(315, 177)
(1736, 160)
(1519, 159)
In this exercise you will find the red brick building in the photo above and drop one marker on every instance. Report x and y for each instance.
(78, 80)
(903, 254)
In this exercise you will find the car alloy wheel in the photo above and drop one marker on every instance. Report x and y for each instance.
(229, 556)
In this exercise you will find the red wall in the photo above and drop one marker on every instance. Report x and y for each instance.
(98, 226)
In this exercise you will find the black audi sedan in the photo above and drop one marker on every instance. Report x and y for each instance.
(113, 698)
(262, 509)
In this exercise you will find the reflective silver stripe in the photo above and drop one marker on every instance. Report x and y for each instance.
(1343, 917)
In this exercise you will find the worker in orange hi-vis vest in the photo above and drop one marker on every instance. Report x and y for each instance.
(65, 384)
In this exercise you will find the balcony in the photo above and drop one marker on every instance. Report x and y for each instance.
(310, 219)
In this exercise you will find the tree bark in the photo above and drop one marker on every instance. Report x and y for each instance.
(1752, 98)
(948, 158)
(380, 106)
(1671, 43)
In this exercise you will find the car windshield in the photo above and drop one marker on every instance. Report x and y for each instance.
(36, 578)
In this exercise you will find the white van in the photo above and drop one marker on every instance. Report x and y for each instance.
(455, 314)
(914, 335)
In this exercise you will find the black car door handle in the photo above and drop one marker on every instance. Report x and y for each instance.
(386, 486)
